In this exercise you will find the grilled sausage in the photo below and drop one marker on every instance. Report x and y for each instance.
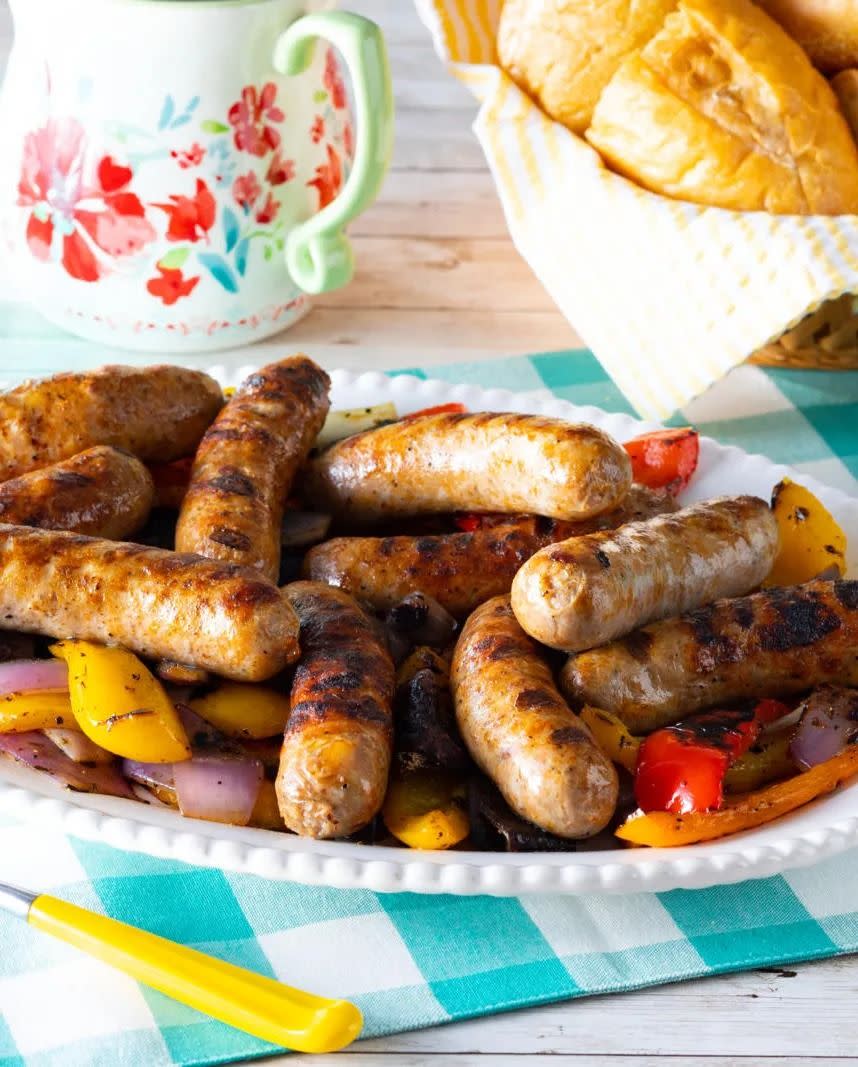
(588, 590)
(338, 741)
(460, 570)
(772, 644)
(246, 462)
(484, 462)
(160, 604)
(156, 413)
(101, 492)
(521, 732)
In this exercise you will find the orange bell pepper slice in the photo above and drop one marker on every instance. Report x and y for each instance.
(665, 459)
(660, 829)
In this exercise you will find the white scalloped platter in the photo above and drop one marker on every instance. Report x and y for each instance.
(828, 826)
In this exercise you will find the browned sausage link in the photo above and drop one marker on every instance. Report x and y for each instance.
(463, 570)
(157, 603)
(246, 462)
(589, 590)
(339, 739)
(156, 413)
(484, 462)
(521, 732)
(101, 492)
(771, 644)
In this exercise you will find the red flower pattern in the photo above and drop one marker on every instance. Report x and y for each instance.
(317, 130)
(246, 190)
(329, 178)
(171, 286)
(191, 218)
(334, 80)
(252, 116)
(83, 222)
(268, 212)
(349, 140)
(190, 158)
(280, 170)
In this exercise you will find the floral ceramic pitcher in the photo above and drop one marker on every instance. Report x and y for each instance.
(176, 174)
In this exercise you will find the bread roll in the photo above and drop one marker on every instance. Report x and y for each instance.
(845, 86)
(722, 107)
(563, 52)
(826, 29)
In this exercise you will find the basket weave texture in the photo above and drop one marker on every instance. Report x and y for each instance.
(827, 339)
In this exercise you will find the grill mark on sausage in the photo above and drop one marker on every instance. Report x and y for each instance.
(569, 735)
(325, 708)
(245, 433)
(638, 644)
(535, 698)
(847, 594)
(232, 481)
(252, 595)
(497, 647)
(800, 621)
(223, 535)
(70, 479)
(602, 559)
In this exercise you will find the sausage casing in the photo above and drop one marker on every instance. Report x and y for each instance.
(484, 462)
(522, 733)
(338, 742)
(246, 463)
(772, 644)
(156, 413)
(157, 603)
(588, 590)
(101, 492)
(459, 570)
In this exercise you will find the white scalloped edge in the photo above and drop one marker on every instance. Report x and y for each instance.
(822, 829)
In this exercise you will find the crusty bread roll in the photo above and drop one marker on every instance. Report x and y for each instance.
(826, 29)
(845, 86)
(722, 107)
(563, 52)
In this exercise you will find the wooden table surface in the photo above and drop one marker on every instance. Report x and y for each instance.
(439, 281)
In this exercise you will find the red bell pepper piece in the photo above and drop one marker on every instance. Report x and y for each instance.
(440, 409)
(665, 459)
(468, 523)
(681, 768)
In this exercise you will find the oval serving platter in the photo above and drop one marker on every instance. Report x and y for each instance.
(821, 829)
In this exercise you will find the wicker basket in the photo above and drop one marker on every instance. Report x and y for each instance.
(826, 340)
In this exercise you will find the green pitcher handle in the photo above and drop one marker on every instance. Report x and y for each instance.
(318, 253)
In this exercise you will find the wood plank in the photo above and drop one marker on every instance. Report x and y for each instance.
(431, 205)
(435, 139)
(466, 274)
(411, 331)
(475, 1059)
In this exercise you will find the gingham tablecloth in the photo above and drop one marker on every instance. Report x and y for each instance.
(412, 961)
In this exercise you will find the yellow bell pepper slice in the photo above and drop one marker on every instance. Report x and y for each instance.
(120, 705)
(811, 540)
(266, 813)
(248, 712)
(613, 737)
(661, 829)
(424, 809)
(43, 709)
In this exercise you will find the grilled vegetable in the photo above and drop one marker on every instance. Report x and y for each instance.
(829, 722)
(811, 541)
(662, 829)
(244, 711)
(496, 828)
(342, 424)
(426, 809)
(665, 459)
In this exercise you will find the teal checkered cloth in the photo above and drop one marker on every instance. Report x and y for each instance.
(412, 961)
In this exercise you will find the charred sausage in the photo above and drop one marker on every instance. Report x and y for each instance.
(160, 604)
(485, 462)
(522, 733)
(338, 741)
(246, 462)
(460, 570)
(101, 492)
(588, 590)
(772, 644)
(156, 413)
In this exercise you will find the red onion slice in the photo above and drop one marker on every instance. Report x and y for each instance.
(33, 749)
(829, 722)
(218, 788)
(78, 747)
(30, 675)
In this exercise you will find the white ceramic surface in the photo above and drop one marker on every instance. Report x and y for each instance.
(154, 164)
(821, 829)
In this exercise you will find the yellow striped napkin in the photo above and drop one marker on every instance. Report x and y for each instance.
(669, 296)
